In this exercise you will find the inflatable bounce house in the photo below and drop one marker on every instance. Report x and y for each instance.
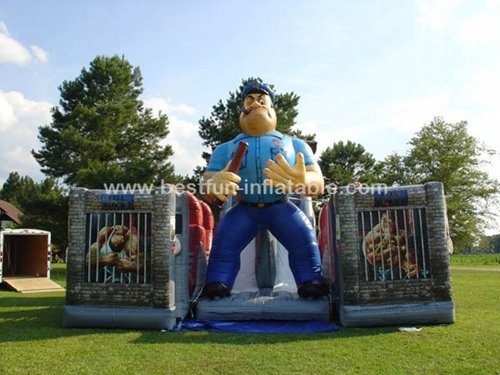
(151, 260)
(139, 261)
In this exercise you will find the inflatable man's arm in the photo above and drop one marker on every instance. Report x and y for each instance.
(218, 182)
(219, 185)
(301, 179)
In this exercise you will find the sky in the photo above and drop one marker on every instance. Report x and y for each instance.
(369, 71)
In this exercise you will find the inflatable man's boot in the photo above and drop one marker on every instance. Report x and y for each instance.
(312, 289)
(216, 289)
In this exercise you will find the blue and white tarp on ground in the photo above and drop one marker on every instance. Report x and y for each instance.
(256, 326)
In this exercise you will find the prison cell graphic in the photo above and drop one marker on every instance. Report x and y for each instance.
(118, 247)
(394, 244)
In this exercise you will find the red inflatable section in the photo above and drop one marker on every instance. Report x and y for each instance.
(326, 240)
(201, 226)
(208, 224)
(323, 229)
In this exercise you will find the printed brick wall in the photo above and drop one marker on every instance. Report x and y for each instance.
(433, 285)
(155, 292)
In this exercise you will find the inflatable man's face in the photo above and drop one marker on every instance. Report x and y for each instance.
(257, 116)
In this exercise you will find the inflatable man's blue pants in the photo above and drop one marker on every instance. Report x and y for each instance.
(285, 221)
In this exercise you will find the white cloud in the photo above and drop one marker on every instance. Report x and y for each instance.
(19, 122)
(476, 103)
(393, 124)
(7, 115)
(437, 15)
(21, 117)
(39, 54)
(19, 158)
(476, 24)
(183, 136)
(186, 144)
(480, 97)
(407, 116)
(467, 21)
(12, 51)
(166, 107)
(482, 88)
(482, 26)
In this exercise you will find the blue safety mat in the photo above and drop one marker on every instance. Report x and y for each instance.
(256, 326)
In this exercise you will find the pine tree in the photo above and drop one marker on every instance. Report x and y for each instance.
(101, 133)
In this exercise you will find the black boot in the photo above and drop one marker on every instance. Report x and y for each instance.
(312, 289)
(216, 289)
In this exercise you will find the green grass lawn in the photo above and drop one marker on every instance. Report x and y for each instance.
(32, 341)
(480, 260)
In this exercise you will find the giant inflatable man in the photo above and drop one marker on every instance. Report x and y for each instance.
(273, 166)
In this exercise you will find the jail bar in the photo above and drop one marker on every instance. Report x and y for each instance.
(134, 221)
(406, 239)
(362, 217)
(398, 248)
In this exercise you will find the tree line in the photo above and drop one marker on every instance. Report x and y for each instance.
(101, 132)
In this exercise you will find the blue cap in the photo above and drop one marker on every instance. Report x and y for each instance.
(257, 86)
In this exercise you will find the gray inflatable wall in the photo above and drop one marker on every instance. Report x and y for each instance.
(391, 259)
(152, 293)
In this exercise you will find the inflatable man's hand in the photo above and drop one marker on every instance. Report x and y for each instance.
(222, 184)
(297, 179)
